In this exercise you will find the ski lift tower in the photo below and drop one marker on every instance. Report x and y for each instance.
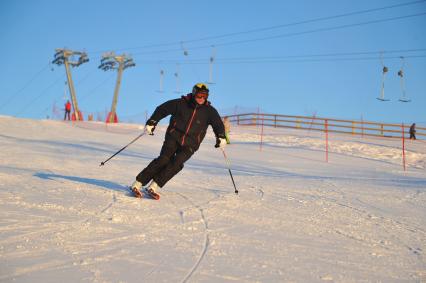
(110, 61)
(62, 56)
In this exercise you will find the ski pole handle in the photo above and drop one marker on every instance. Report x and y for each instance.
(135, 139)
(229, 170)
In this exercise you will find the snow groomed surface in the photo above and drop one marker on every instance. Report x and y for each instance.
(358, 218)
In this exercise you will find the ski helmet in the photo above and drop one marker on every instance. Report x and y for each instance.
(200, 88)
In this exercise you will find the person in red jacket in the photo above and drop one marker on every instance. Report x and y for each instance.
(190, 117)
(67, 110)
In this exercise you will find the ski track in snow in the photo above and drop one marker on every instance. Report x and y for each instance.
(206, 238)
(392, 230)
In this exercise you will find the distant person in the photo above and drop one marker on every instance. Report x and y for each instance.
(227, 125)
(67, 110)
(413, 131)
(191, 115)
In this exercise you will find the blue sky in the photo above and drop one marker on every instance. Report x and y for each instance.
(283, 57)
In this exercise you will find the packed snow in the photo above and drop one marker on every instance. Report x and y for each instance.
(360, 217)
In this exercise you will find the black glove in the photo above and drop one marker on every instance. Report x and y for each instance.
(150, 127)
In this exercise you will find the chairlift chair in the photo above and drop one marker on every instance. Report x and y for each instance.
(212, 60)
(177, 79)
(185, 51)
(403, 98)
(382, 93)
(384, 72)
(177, 83)
(161, 81)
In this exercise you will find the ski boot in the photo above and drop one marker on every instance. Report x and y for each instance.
(136, 189)
(151, 191)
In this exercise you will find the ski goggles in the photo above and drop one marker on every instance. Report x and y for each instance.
(201, 95)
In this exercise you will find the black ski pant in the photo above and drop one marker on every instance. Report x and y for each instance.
(67, 114)
(168, 164)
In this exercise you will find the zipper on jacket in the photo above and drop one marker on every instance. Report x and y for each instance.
(172, 128)
(189, 126)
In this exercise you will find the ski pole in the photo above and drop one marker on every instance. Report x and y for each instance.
(229, 169)
(135, 139)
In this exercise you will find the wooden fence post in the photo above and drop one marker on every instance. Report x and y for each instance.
(403, 146)
(312, 121)
(261, 133)
(257, 117)
(326, 139)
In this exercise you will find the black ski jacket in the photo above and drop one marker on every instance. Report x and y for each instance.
(189, 121)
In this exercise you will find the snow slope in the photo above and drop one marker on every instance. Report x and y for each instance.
(358, 218)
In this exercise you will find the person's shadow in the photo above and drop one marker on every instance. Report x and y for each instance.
(100, 183)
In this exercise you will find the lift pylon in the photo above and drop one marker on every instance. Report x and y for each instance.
(110, 61)
(65, 56)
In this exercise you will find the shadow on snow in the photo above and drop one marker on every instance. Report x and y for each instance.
(89, 181)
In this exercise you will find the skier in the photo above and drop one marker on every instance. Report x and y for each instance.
(67, 110)
(413, 131)
(190, 117)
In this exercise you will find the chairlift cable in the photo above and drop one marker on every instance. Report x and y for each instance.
(286, 34)
(102, 83)
(270, 27)
(26, 107)
(264, 60)
(15, 94)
